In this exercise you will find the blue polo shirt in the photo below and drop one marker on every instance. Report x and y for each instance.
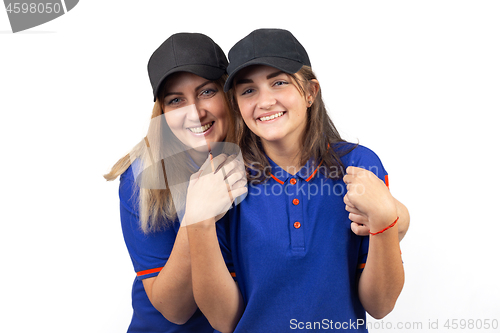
(295, 258)
(149, 253)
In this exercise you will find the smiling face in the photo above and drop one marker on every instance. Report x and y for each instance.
(195, 110)
(271, 105)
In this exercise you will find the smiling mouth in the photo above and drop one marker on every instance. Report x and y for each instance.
(271, 117)
(201, 129)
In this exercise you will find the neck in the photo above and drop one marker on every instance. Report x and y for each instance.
(199, 157)
(287, 156)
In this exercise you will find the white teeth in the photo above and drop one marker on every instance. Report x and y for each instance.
(276, 115)
(200, 129)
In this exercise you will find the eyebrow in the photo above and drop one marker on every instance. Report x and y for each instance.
(270, 76)
(197, 88)
(173, 93)
(203, 84)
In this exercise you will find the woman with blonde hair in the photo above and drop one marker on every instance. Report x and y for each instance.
(187, 73)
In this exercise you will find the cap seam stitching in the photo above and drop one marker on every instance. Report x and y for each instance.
(253, 44)
(175, 53)
(216, 55)
(295, 47)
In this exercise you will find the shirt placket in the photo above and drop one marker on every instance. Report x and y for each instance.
(295, 201)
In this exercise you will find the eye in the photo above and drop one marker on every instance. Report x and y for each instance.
(280, 83)
(173, 101)
(247, 91)
(208, 92)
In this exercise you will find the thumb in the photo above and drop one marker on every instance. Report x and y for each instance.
(360, 229)
(195, 176)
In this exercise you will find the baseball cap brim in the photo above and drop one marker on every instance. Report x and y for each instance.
(283, 64)
(205, 71)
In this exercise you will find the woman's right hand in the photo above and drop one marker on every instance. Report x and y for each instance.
(212, 191)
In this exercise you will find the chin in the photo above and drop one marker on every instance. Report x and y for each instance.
(201, 149)
(216, 137)
(272, 137)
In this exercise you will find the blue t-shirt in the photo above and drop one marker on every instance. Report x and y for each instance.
(149, 253)
(295, 258)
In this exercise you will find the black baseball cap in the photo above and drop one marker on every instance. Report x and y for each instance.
(186, 52)
(277, 48)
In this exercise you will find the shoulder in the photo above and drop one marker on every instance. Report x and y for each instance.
(362, 157)
(128, 178)
(147, 250)
(357, 151)
(132, 171)
(128, 189)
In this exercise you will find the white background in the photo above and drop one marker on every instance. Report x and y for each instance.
(416, 81)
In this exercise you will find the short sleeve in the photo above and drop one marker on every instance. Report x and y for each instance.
(149, 252)
(365, 158)
(363, 253)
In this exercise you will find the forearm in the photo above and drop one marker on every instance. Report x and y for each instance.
(383, 276)
(171, 291)
(404, 219)
(215, 291)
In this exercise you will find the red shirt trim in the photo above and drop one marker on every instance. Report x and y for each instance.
(149, 271)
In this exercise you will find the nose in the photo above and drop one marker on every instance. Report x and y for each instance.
(266, 99)
(196, 112)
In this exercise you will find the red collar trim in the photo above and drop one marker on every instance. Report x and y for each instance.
(276, 179)
(314, 172)
(307, 180)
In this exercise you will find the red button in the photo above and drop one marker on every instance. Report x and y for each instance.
(293, 181)
(296, 225)
(295, 202)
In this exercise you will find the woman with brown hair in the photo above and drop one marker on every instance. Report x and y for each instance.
(290, 244)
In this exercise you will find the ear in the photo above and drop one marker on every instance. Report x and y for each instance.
(313, 90)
